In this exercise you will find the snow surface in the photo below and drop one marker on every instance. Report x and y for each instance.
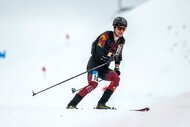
(155, 68)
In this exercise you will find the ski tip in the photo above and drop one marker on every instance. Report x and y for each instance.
(146, 109)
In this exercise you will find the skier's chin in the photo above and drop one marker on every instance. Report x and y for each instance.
(120, 35)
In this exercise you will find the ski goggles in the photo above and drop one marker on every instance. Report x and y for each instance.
(121, 28)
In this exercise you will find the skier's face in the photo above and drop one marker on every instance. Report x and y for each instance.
(119, 30)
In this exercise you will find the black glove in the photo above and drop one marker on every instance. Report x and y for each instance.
(116, 69)
(110, 59)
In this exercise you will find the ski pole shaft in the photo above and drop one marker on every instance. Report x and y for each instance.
(35, 93)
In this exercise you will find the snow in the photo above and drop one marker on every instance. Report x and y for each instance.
(174, 113)
(154, 72)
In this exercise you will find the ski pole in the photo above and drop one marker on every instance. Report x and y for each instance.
(35, 93)
(118, 51)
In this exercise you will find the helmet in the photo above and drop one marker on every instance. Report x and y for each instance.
(120, 21)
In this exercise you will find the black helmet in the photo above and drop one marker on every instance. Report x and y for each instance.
(120, 21)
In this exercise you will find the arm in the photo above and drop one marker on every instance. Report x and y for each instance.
(118, 59)
(100, 49)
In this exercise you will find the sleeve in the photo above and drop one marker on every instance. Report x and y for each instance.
(118, 58)
(100, 49)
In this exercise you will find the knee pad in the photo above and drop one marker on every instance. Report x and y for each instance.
(92, 85)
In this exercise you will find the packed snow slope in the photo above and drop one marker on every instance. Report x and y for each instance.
(154, 72)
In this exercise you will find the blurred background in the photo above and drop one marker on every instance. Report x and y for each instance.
(43, 42)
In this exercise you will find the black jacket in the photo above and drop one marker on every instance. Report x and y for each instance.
(105, 44)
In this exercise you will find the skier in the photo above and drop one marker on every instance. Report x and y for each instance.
(104, 50)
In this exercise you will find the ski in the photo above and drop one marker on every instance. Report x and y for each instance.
(146, 109)
(112, 108)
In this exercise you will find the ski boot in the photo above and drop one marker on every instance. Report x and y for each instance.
(105, 97)
(71, 107)
(102, 106)
(73, 103)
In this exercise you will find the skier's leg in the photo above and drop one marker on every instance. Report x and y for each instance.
(92, 84)
(114, 78)
(73, 103)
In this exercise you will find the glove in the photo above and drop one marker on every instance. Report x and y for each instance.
(116, 69)
(110, 59)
